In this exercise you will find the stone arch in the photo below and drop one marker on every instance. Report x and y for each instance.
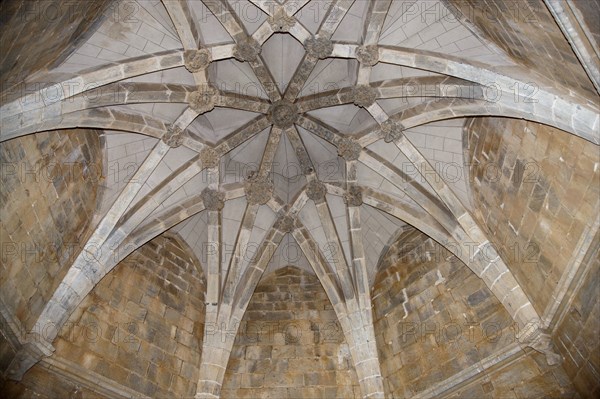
(432, 316)
(61, 170)
(290, 320)
(142, 325)
(536, 192)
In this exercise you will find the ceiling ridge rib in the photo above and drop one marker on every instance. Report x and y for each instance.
(443, 86)
(548, 111)
(88, 80)
(490, 268)
(90, 265)
(321, 46)
(248, 50)
(372, 31)
(330, 135)
(257, 193)
(347, 279)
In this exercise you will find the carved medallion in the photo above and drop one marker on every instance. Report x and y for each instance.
(315, 190)
(367, 55)
(318, 47)
(258, 190)
(247, 50)
(285, 224)
(173, 137)
(283, 114)
(213, 199)
(203, 100)
(353, 197)
(209, 158)
(197, 60)
(391, 130)
(280, 21)
(349, 149)
(364, 96)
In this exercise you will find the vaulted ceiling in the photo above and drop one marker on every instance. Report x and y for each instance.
(245, 126)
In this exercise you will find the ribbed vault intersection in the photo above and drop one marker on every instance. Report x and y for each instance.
(291, 127)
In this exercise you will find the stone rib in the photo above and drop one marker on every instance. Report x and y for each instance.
(319, 264)
(510, 294)
(94, 78)
(242, 134)
(415, 87)
(230, 21)
(87, 269)
(372, 29)
(335, 14)
(266, 163)
(181, 16)
(233, 272)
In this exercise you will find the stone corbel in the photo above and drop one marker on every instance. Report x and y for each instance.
(539, 340)
(32, 351)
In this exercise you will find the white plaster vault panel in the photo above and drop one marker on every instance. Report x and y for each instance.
(421, 25)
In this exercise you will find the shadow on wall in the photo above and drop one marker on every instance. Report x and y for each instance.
(139, 331)
(537, 190)
(434, 318)
(290, 344)
(38, 35)
(48, 198)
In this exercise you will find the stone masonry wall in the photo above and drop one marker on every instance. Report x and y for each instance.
(535, 188)
(527, 377)
(578, 336)
(527, 32)
(49, 185)
(142, 325)
(290, 344)
(41, 383)
(433, 316)
(37, 35)
(149, 313)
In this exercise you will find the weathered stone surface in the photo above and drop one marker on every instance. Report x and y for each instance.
(31, 351)
(543, 344)
(258, 190)
(290, 344)
(247, 50)
(197, 60)
(577, 337)
(40, 383)
(64, 27)
(50, 184)
(416, 285)
(534, 189)
(546, 50)
(173, 137)
(285, 224)
(392, 130)
(318, 47)
(353, 196)
(367, 55)
(283, 114)
(203, 99)
(349, 149)
(527, 376)
(535, 195)
(280, 21)
(316, 191)
(364, 96)
(209, 158)
(142, 324)
(213, 199)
